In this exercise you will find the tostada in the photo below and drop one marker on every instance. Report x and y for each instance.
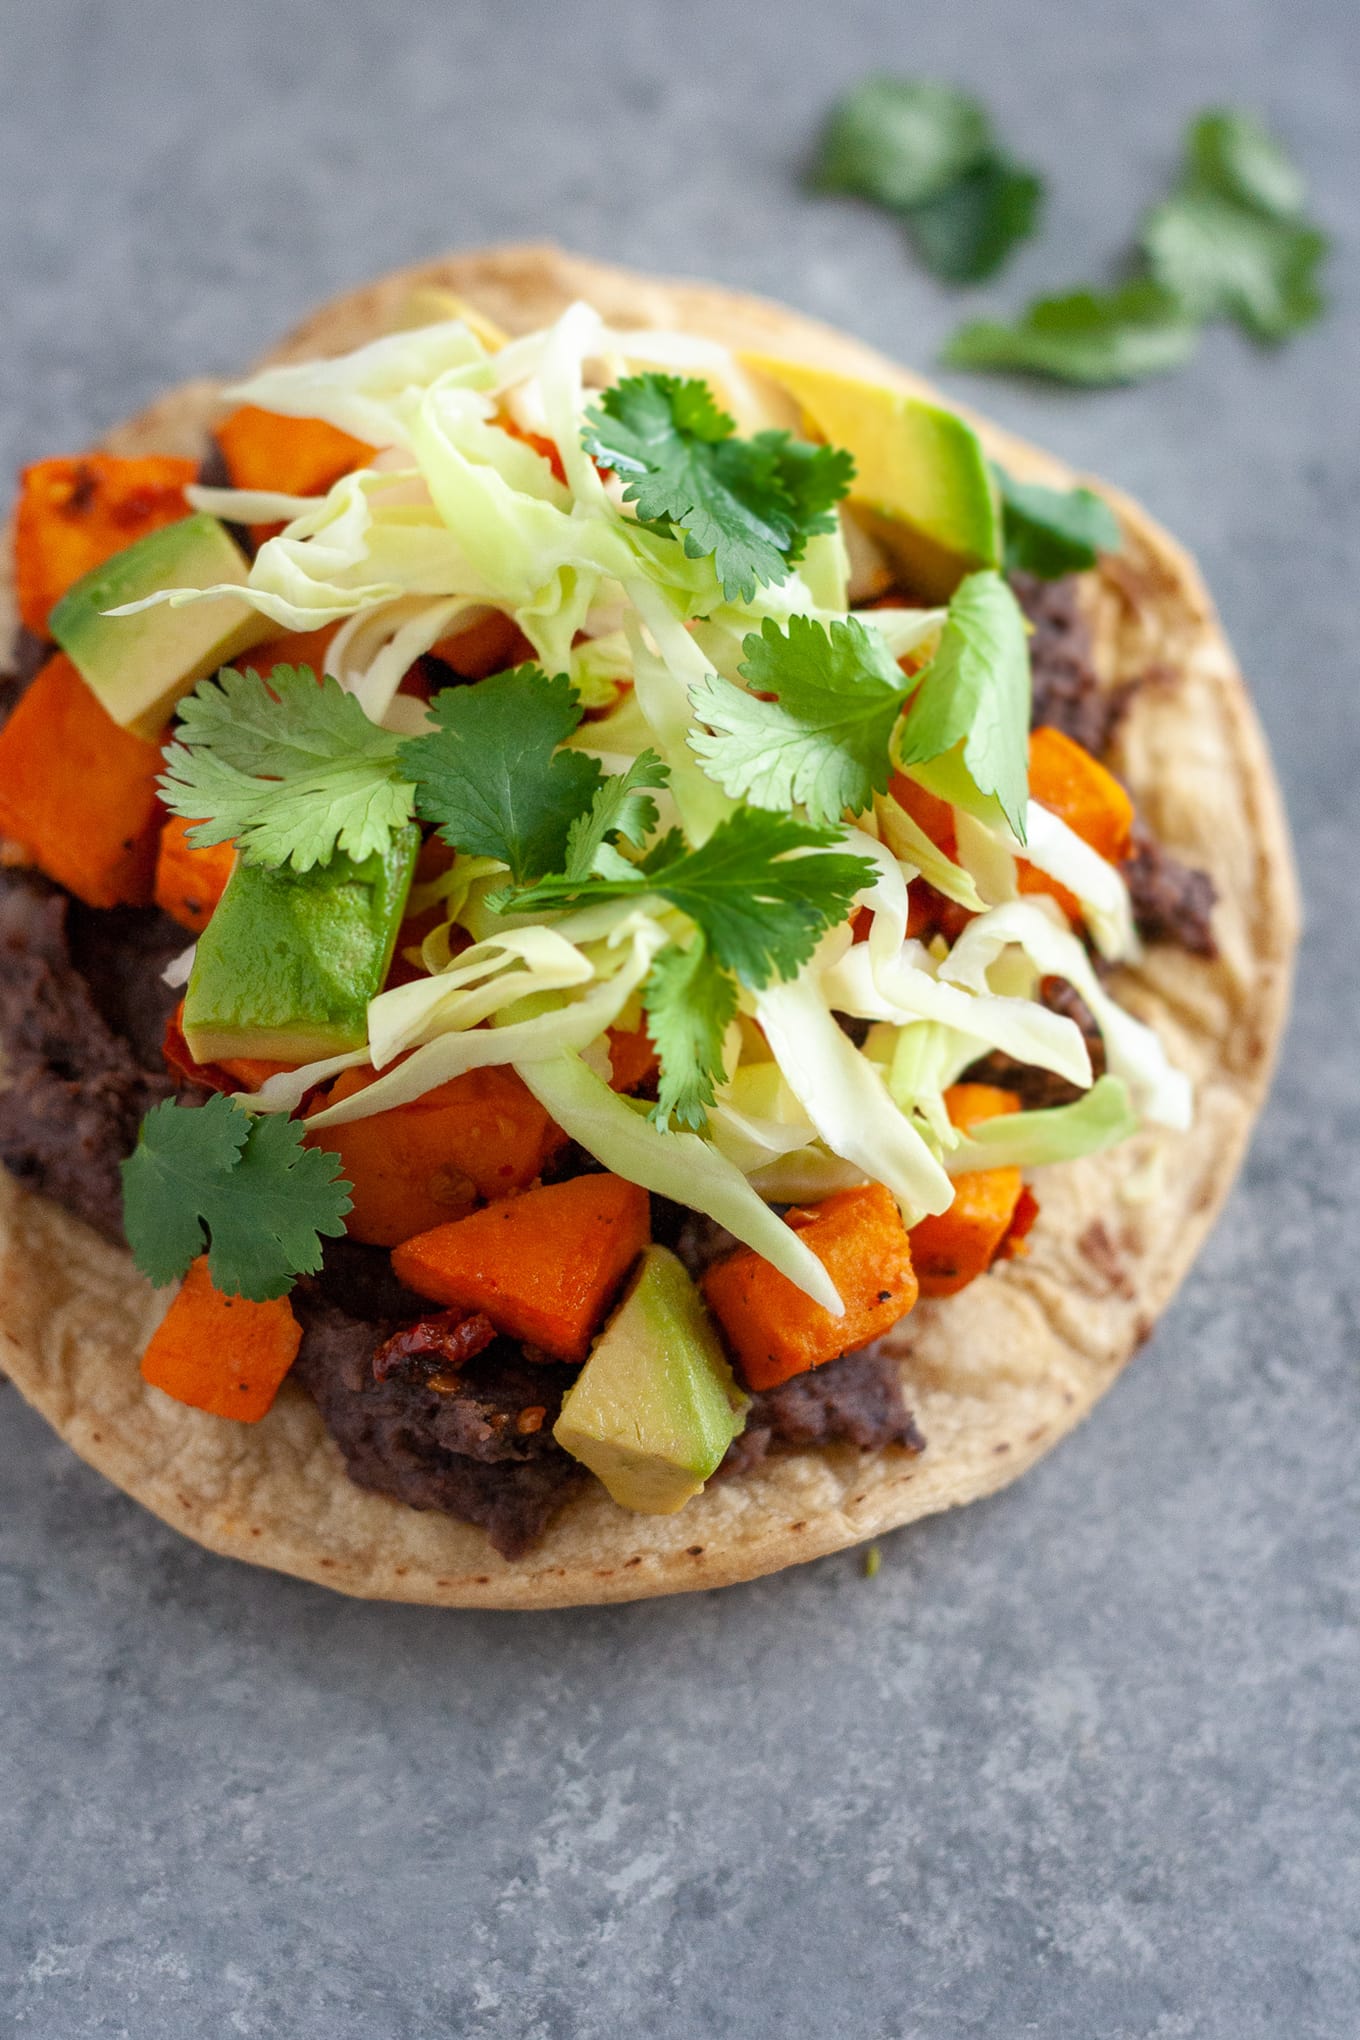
(631, 950)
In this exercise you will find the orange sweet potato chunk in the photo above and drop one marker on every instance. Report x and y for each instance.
(632, 1057)
(544, 1267)
(1070, 783)
(489, 645)
(78, 792)
(774, 1330)
(294, 456)
(190, 882)
(291, 648)
(969, 1104)
(953, 1248)
(220, 1353)
(1077, 788)
(73, 514)
(482, 1135)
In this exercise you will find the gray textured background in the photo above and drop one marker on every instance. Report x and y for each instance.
(1079, 1763)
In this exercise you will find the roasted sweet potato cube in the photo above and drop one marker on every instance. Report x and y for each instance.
(544, 1267)
(78, 792)
(482, 1135)
(73, 514)
(774, 1330)
(1070, 783)
(223, 1354)
(189, 881)
(951, 1250)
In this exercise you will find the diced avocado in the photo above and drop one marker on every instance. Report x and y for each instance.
(286, 967)
(655, 1406)
(921, 475)
(140, 665)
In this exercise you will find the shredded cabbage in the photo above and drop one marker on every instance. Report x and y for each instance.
(481, 981)
(1063, 1133)
(1159, 1092)
(681, 1166)
(846, 1099)
(1055, 849)
(371, 393)
(911, 846)
(926, 1059)
(914, 987)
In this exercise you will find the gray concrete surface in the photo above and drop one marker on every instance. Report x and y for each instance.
(1080, 1763)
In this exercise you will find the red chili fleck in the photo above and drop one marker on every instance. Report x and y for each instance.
(433, 1345)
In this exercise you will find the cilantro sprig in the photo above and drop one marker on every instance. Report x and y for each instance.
(490, 774)
(245, 1189)
(1090, 337)
(830, 736)
(1230, 242)
(760, 907)
(751, 503)
(759, 904)
(927, 152)
(494, 778)
(824, 739)
(975, 696)
(1052, 532)
(289, 770)
(691, 1002)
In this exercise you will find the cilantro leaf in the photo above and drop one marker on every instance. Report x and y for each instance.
(621, 806)
(1123, 336)
(751, 503)
(1223, 261)
(927, 152)
(691, 1002)
(814, 478)
(901, 141)
(976, 693)
(760, 910)
(1052, 532)
(176, 1153)
(491, 776)
(1230, 152)
(825, 741)
(247, 1189)
(289, 770)
(966, 234)
(1230, 241)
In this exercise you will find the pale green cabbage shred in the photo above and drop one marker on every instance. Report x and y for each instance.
(456, 518)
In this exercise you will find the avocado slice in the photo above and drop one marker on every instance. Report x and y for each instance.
(140, 665)
(655, 1406)
(286, 967)
(922, 484)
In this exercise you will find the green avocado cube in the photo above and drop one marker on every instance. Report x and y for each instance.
(286, 967)
(655, 1407)
(140, 665)
(922, 484)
